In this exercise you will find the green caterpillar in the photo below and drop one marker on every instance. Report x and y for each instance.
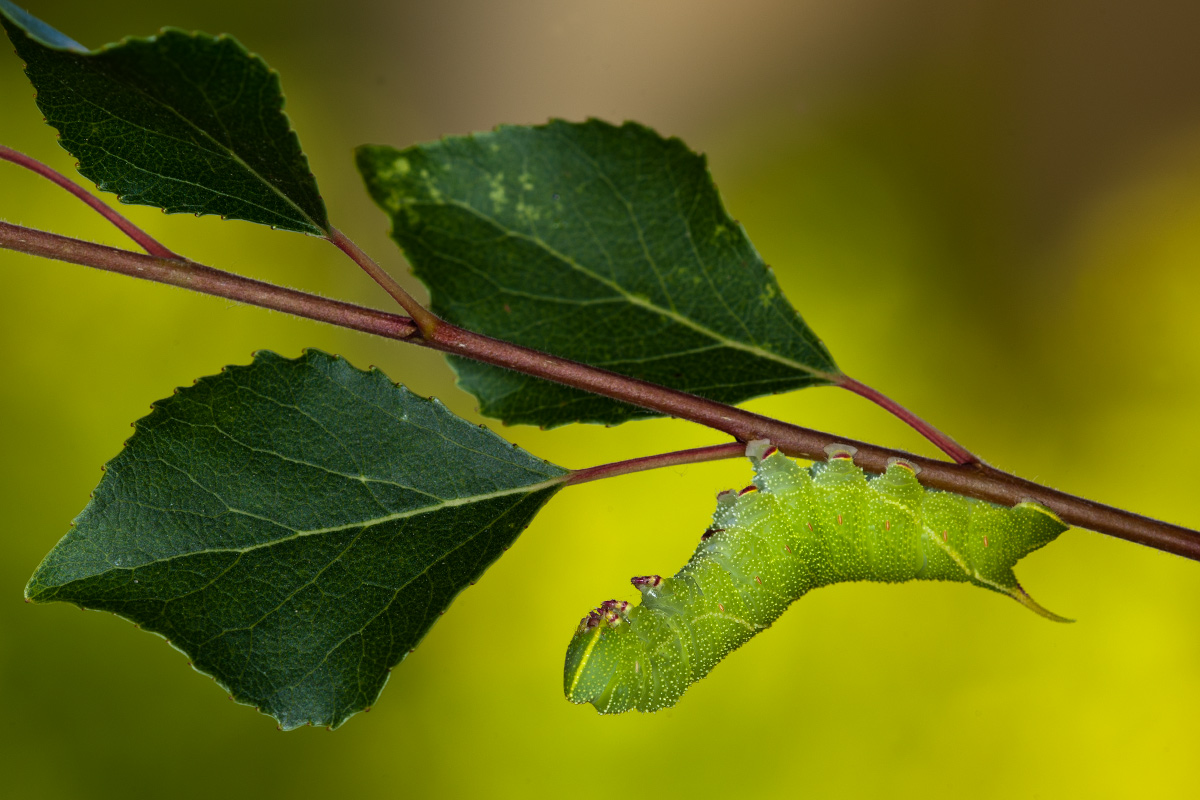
(794, 530)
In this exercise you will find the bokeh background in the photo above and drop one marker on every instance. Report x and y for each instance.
(989, 209)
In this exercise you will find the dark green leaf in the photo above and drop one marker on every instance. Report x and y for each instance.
(602, 244)
(182, 121)
(295, 527)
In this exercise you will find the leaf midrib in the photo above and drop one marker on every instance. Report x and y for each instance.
(631, 298)
(365, 523)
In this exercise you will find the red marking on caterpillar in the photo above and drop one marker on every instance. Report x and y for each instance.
(770, 451)
(651, 581)
(785, 547)
(908, 465)
(708, 533)
(758, 580)
(985, 540)
(748, 490)
(944, 539)
(808, 525)
(720, 606)
(887, 524)
(839, 519)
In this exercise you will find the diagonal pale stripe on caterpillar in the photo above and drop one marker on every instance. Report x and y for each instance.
(794, 530)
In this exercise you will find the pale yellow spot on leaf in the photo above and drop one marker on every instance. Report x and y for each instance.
(498, 195)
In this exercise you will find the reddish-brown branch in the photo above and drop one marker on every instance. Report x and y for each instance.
(143, 239)
(426, 321)
(206, 280)
(944, 443)
(974, 480)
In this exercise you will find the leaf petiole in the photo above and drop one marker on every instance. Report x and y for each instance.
(426, 321)
(696, 455)
(143, 239)
(944, 443)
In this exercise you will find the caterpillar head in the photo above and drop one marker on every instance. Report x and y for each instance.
(610, 613)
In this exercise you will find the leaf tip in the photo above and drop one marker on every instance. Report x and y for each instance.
(33, 588)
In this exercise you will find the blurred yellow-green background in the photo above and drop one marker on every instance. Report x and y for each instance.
(989, 209)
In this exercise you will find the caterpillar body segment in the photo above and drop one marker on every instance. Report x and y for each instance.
(795, 529)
